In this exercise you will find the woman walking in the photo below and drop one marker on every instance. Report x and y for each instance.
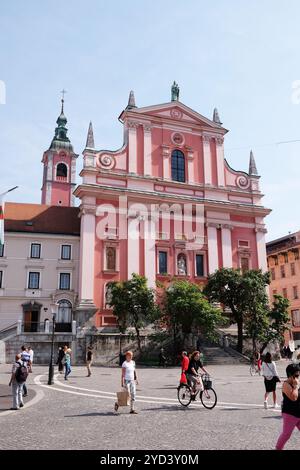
(290, 405)
(67, 363)
(271, 377)
(59, 362)
(89, 360)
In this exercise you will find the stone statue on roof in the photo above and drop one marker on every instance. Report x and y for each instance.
(175, 92)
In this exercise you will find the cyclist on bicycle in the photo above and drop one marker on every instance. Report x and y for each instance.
(192, 373)
(257, 360)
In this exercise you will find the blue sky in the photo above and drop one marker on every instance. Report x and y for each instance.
(240, 56)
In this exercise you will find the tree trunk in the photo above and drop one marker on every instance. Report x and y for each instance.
(254, 345)
(240, 336)
(138, 339)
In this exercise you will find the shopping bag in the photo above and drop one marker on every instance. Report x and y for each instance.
(183, 378)
(123, 398)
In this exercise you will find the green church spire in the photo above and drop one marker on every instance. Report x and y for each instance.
(60, 139)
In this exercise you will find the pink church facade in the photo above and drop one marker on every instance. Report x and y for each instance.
(165, 205)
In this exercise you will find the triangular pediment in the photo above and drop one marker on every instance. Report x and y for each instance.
(179, 112)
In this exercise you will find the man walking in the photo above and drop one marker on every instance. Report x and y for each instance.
(17, 381)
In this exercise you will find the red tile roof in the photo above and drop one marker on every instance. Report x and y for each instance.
(40, 218)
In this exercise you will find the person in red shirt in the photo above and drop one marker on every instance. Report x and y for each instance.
(184, 366)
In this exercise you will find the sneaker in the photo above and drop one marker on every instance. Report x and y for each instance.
(116, 406)
(21, 405)
(276, 406)
(14, 409)
(266, 404)
(133, 412)
(25, 395)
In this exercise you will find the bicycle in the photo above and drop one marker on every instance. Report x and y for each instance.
(254, 369)
(208, 396)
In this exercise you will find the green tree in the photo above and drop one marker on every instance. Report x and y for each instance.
(225, 287)
(255, 304)
(278, 317)
(186, 310)
(133, 304)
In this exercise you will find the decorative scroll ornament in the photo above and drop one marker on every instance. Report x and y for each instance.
(106, 161)
(243, 182)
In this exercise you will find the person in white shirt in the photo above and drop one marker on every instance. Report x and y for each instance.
(30, 352)
(129, 379)
(269, 371)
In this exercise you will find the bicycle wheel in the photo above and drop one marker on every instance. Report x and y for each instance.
(208, 398)
(184, 395)
(252, 369)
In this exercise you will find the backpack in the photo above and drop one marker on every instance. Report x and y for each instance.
(21, 373)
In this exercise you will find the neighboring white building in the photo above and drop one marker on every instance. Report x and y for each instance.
(39, 266)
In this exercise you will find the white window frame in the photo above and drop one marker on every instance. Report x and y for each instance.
(35, 243)
(244, 246)
(40, 279)
(64, 272)
(71, 252)
(167, 253)
(167, 250)
(203, 253)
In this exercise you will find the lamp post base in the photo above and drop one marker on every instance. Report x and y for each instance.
(51, 374)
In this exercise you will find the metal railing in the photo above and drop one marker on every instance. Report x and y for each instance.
(45, 327)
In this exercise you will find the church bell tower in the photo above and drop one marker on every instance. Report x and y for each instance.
(59, 177)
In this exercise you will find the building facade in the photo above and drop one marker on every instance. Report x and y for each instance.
(165, 205)
(39, 266)
(284, 266)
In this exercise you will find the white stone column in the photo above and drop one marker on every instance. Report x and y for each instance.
(226, 246)
(87, 250)
(166, 162)
(147, 150)
(220, 161)
(207, 159)
(212, 242)
(133, 242)
(261, 249)
(149, 246)
(132, 145)
(190, 160)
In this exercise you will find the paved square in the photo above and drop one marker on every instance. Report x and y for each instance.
(78, 413)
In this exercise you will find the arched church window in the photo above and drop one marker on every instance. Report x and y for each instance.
(64, 314)
(111, 258)
(178, 166)
(62, 170)
(181, 265)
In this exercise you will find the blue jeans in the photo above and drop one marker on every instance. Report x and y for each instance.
(67, 370)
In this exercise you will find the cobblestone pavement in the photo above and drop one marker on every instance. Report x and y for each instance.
(78, 413)
(6, 397)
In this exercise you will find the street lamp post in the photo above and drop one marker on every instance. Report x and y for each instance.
(120, 352)
(51, 366)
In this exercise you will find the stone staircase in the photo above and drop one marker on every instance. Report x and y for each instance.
(217, 355)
